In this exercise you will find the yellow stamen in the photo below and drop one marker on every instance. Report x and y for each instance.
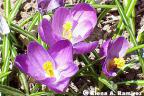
(116, 63)
(67, 27)
(48, 67)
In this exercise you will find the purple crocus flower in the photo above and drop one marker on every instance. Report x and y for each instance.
(75, 25)
(52, 68)
(47, 5)
(113, 52)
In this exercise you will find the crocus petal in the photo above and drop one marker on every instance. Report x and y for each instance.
(104, 48)
(62, 54)
(70, 71)
(81, 31)
(46, 33)
(118, 47)
(58, 87)
(38, 56)
(84, 12)
(110, 73)
(55, 4)
(23, 63)
(4, 28)
(61, 15)
(83, 47)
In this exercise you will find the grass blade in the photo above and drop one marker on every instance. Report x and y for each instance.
(129, 9)
(125, 21)
(5, 56)
(4, 74)
(111, 86)
(42, 93)
(10, 91)
(34, 21)
(21, 31)
(135, 48)
(103, 13)
(135, 82)
(7, 7)
(15, 9)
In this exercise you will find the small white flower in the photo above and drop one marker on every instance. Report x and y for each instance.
(4, 28)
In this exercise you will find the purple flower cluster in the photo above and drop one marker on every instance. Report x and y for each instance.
(65, 35)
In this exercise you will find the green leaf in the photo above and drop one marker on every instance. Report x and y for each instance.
(103, 6)
(140, 37)
(7, 8)
(4, 74)
(104, 12)
(10, 91)
(24, 82)
(135, 82)
(42, 93)
(135, 48)
(128, 27)
(129, 7)
(5, 55)
(23, 32)
(34, 21)
(15, 9)
(108, 83)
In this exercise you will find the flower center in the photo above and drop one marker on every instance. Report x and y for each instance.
(48, 67)
(67, 33)
(116, 63)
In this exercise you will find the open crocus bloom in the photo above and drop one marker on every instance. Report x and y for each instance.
(52, 68)
(113, 52)
(47, 5)
(74, 25)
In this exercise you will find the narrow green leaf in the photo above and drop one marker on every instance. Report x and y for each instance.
(13, 53)
(24, 82)
(34, 21)
(103, 6)
(87, 62)
(21, 31)
(135, 48)
(15, 9)
(42, 93)
(10, 91)
(125, 21)
(7, 7)
(5, 56)
(109, 84)
(26, 21)
(4, 74)
(103, 13)
(135, 82)
(128, 10)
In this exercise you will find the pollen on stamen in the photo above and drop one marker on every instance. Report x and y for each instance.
(67, 30)
(48, 67)
(116, 63)
(120, 62)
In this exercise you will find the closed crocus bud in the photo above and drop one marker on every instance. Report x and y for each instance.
(4, 28)
(48, 5)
